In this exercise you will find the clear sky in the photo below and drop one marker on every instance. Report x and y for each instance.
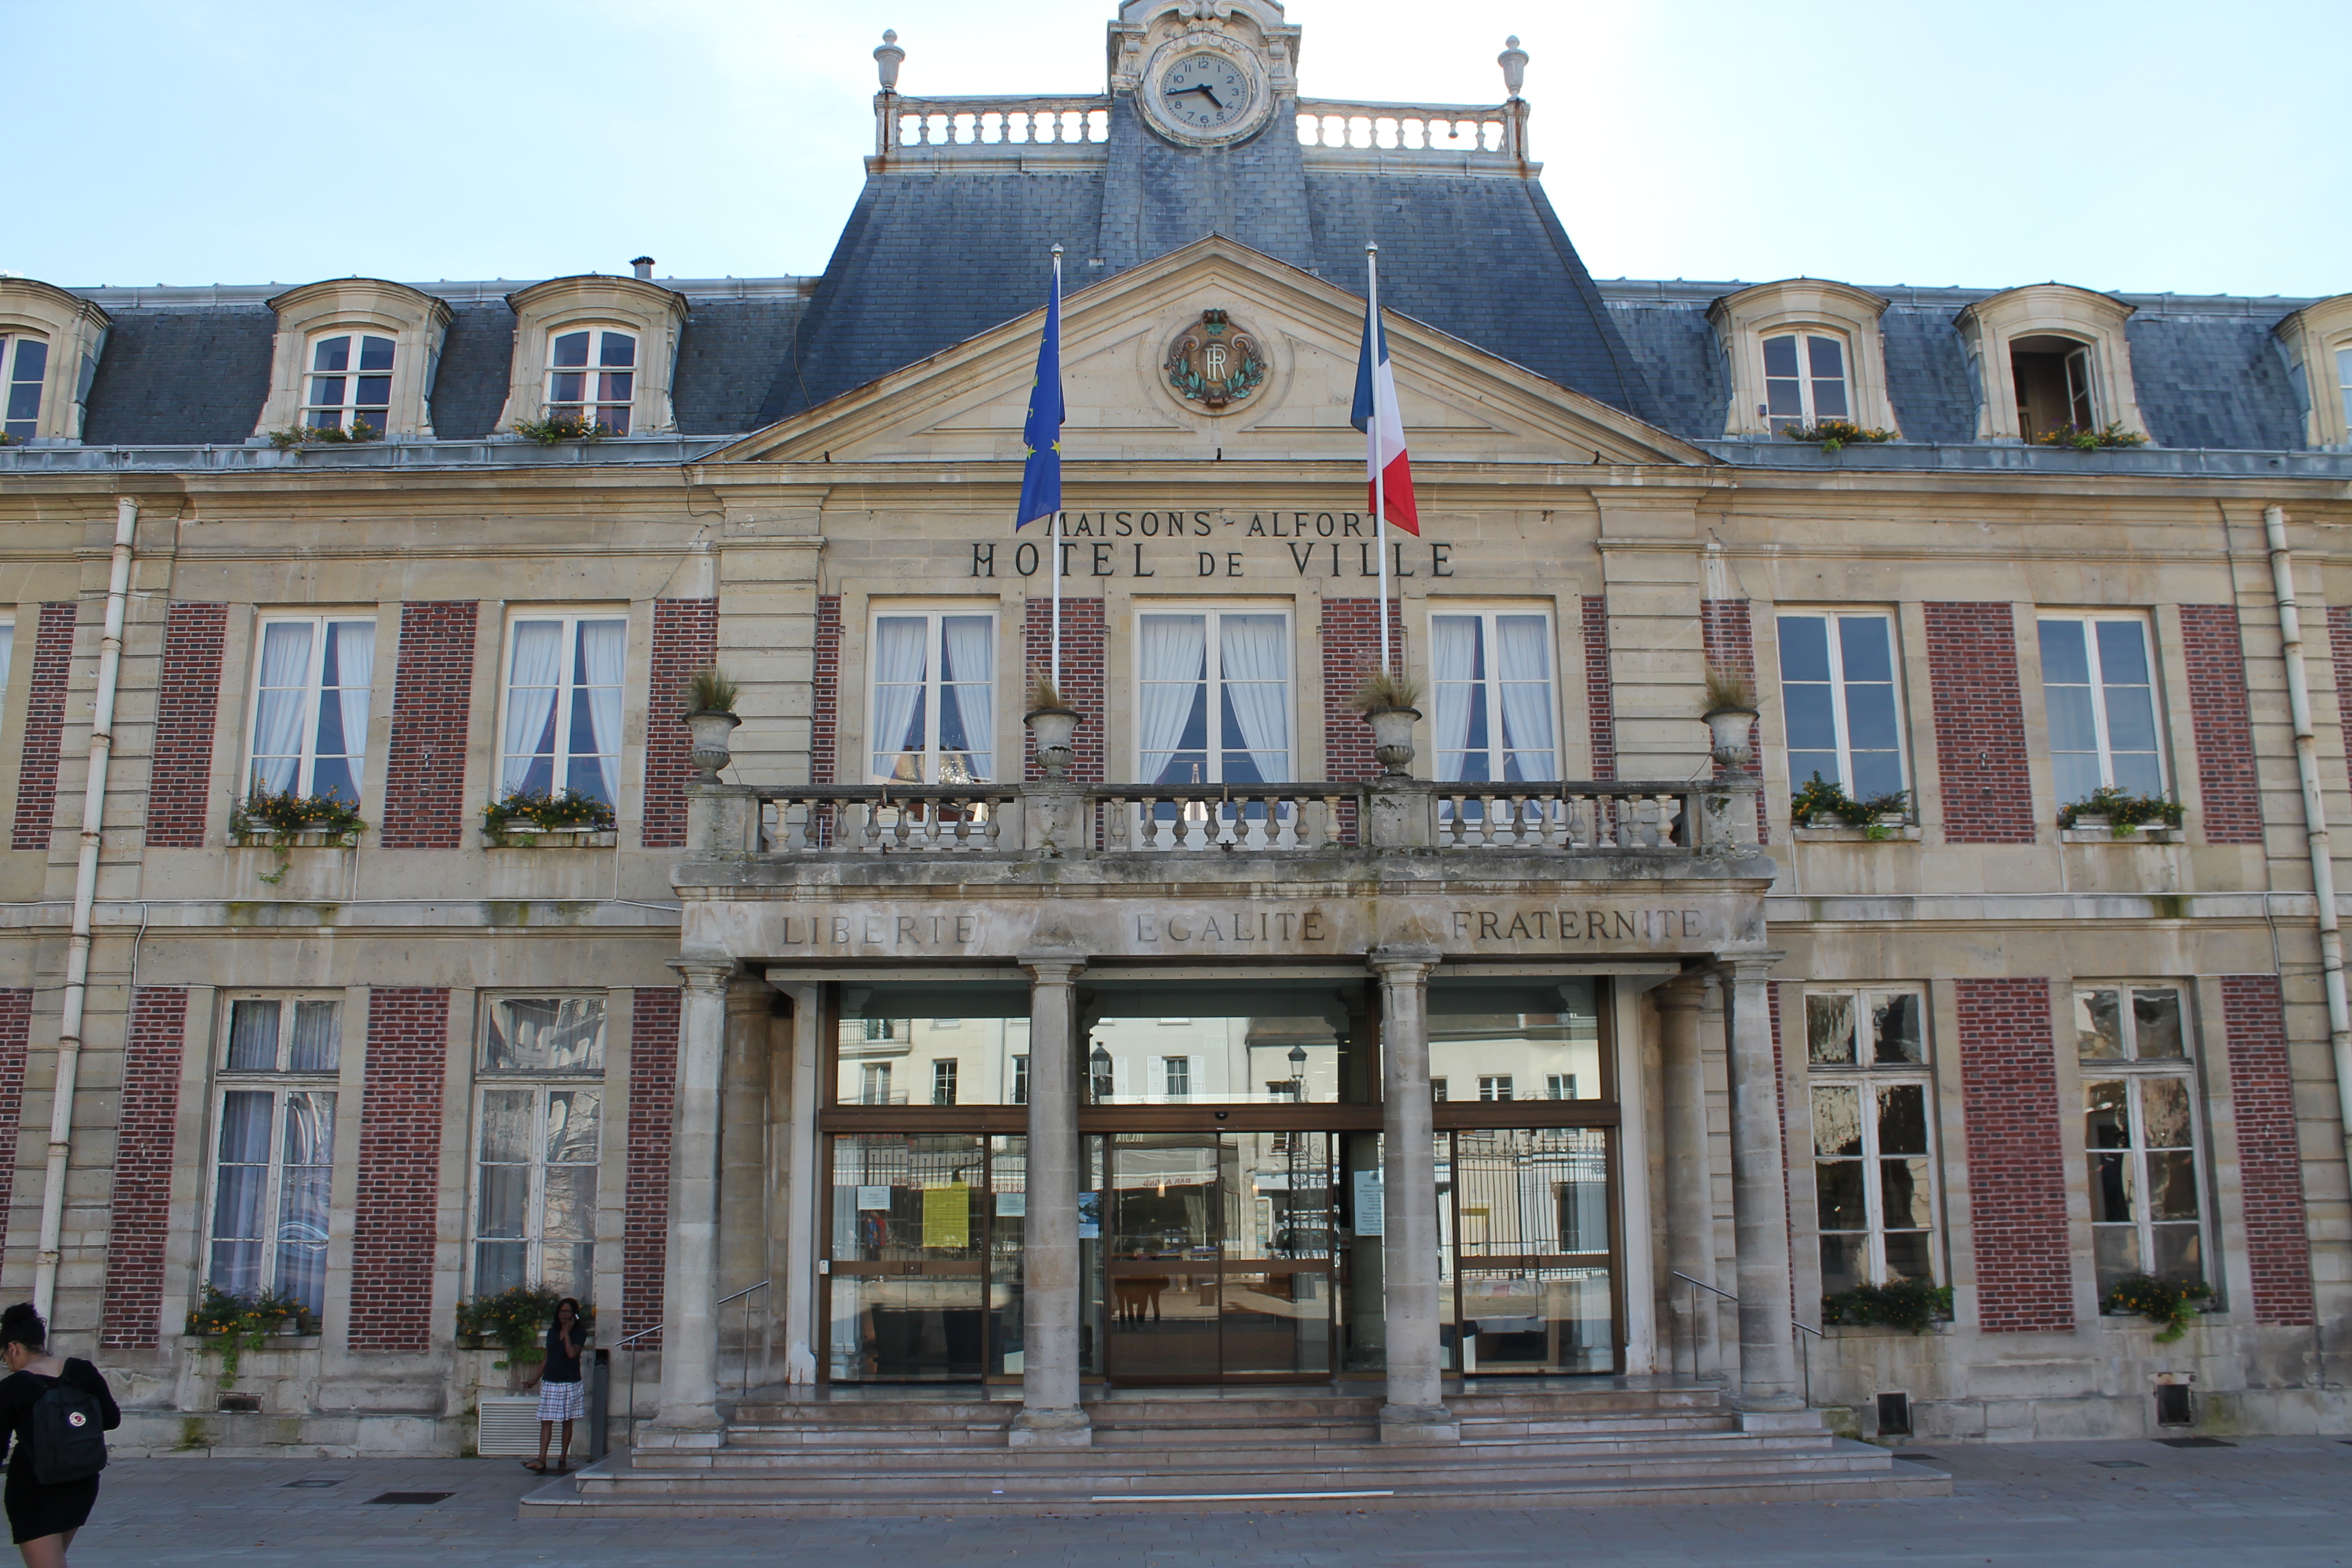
(2150, 146)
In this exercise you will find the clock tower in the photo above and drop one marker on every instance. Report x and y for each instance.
(1204, 73)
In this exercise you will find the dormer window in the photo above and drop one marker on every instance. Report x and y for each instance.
(2053, 379)
(24, 366)
(350, 384)
(2317, 343)
(1804, 380)
(591, 377)
(1800, 352)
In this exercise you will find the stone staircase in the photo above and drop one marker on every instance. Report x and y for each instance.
(1607, 1441)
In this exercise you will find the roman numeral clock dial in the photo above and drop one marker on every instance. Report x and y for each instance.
(1204, 92)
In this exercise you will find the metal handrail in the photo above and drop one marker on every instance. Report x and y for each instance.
(1803, 1346)
(629, 1343)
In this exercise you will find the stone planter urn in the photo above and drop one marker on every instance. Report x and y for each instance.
(709, 749)
(1729, 726)
(1392, 737)
(1053, 728)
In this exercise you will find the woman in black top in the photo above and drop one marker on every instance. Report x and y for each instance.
(42, 1520)
(559, 1385)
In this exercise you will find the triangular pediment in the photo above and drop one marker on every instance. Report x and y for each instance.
(968, 403)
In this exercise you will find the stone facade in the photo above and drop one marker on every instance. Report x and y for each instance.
(1629, 543)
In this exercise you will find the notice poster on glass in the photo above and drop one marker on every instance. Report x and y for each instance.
(1371, 1203)
(874, 1198)
(1089, 1216)
(947, 1216)
(1012, 1205)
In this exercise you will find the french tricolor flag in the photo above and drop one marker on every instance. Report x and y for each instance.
(1376, 415)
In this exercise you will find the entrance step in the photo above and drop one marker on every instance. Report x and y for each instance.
(1618, 1440)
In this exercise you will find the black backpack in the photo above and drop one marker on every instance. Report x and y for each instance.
(69, 1437)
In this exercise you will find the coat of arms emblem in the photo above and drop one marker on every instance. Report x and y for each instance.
(1214, 363)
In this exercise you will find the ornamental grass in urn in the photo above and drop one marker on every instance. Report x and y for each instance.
(1054, 723)
(1390, 704)
(710, 698)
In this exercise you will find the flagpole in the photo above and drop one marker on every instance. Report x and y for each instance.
(1379, 457)
(1054, 535)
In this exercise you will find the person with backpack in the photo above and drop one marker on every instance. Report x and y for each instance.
(54, 1411)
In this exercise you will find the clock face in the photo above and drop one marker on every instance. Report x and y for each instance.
(1204, 92)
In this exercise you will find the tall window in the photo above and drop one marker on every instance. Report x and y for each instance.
(1837, 693)
(24, 364)
(943, 1081)
(1215, 697)
(351, 384)
(1494, 696)
(1873, 1169)
(1804, 380)
(2139, 1130)
(310, 706)
(541, 1103)
(1176, 1077)
(2343, 381)
(2053, 385)
(592, 376)
(275, 1154)
(563, 706)
(2095, 672)
(934, 697)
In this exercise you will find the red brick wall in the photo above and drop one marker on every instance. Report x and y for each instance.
(2339, 644)
(395, 1219)
(2017, 1178)
(15, 1032)
(2216, 657)
(2270, 1158)
(1352, 650)
(1082, 643)
(652, 1084)
(1979, 724)
(45, 727)
(685, 638)
(1599, 702)
(145, 1135)
(1729, 641)
(432, 701)
(824, 703)
(187, 704)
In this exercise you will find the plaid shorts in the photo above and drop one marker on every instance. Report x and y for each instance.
(560, 1401)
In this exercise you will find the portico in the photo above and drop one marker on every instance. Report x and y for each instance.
(1034, 1226)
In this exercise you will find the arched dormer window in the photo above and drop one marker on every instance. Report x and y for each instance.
(2049, 356)
(2317, 341)
(597, 348)
(354, 352)
(49, 345)
(1800, 352)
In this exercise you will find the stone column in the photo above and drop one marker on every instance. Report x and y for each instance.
(689, 1383)
(742, 1245)
(1689, 1205)
(1051, 1414)
(797, 1175)
(1759, 1201)
(1416, 1411)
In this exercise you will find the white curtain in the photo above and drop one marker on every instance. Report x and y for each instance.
(355, 669)
(1175, 662)
(967, 645)
(1523, 661)
(1249, 650)
(1452, 653)
(601, 644)
(898, 687)
(285, 685)
(530, 697)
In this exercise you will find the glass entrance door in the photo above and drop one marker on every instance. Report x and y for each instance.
(910, 1277)
(1218, 1257)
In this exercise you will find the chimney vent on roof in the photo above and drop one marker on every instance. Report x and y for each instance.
(644, 266)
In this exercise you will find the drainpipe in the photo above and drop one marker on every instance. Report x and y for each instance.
(93, 807)
(2314, 814)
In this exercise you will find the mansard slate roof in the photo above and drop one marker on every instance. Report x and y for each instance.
(930, 258)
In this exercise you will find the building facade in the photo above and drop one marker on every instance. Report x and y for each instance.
(880, 1045)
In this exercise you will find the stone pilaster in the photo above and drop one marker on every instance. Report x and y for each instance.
(1689, 1205)
(1051, 1414)
(1415, 1409)
(1759, 1201)
(690, 1381)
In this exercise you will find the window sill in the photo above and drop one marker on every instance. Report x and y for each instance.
(2128, 836)
(551, 839)
(204, 1343)
(309, 838)
(1908, 833)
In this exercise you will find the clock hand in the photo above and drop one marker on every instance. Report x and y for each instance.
(1201, 88)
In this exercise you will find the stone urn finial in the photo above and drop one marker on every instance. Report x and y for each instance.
(888, 59)
(1054, 723)
(1514, 61)
(710, 721)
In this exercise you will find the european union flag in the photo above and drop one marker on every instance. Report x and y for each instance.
(1041, 479)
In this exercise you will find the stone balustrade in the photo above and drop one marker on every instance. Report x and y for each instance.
(935, 124)
(1676, 819)
(1482, 132)
(1437, 128)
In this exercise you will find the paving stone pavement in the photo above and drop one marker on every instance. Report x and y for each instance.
(2268, 1503)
